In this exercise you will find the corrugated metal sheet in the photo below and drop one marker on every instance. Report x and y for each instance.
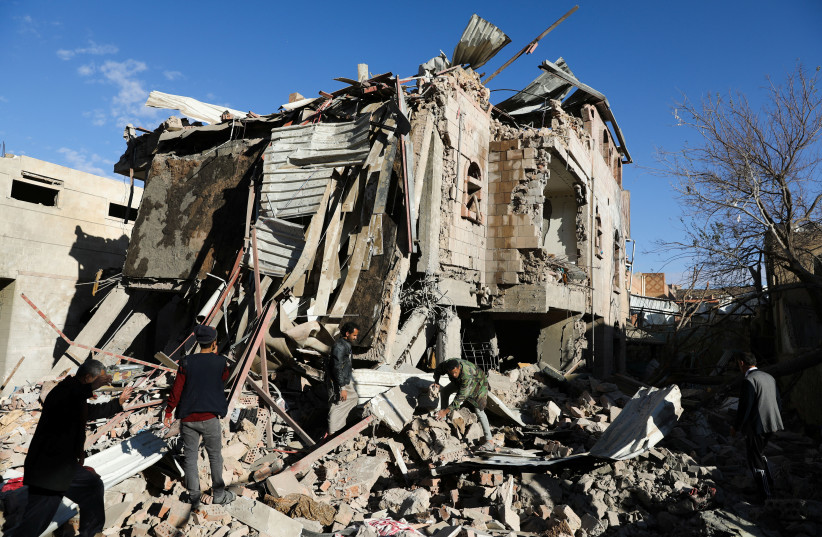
(114, 465)
(279, 245)
(535, 96)
(301, 159)
(480, 42)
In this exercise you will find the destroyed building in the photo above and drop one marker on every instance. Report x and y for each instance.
(64, 237)
(410, 205)
(445, 226)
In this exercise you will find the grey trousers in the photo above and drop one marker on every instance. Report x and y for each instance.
(211, 433)
(339, 411)
(451, 389)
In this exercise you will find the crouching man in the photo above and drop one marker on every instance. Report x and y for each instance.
(54, 463)
(471, 386)
(199, 397)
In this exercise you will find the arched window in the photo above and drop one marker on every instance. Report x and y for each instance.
(617, 259)
(472, 194)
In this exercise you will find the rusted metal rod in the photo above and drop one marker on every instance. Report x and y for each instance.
(529, 48)
(88, 348)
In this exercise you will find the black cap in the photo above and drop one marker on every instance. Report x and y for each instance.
(204, 334)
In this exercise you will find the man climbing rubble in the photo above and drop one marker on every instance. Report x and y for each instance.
(757, 417)
(199, 398)
(471, 386)
(342, 396)
(54, 463)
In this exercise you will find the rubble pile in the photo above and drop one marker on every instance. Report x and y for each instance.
(432, 480)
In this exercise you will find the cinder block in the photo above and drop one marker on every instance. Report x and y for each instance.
(529, 153)
(513, 154)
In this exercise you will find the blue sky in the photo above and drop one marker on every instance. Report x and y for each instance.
(74, 73)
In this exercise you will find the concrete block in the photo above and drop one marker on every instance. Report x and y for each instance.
(344, 515)
(564, 512)
(285, 483)
(163, 529)
(589, 523)
(360, 475)
(178, 513)
(263, 518)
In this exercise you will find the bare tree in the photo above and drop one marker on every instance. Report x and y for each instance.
(752, 192)
(751, 187)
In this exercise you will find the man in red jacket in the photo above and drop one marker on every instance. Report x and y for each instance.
(54, 463)
(198, 395)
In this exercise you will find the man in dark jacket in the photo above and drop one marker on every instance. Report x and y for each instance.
(54, 463)
(198, 395)
(757, 417)
(470, 384)
(342, 396)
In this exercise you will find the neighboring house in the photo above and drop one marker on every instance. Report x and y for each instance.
(795, 318)
(58, 228)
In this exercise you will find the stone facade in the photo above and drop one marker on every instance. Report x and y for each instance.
(533, 225)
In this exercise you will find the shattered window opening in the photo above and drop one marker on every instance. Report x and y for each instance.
(33, 193)
(115, 210)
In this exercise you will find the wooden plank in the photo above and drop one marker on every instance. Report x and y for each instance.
(429, 235)
(407, 157)
(94, 330)
(422, 165)
(311, 244)
(375, 172)
(386, 170)
(330, 259)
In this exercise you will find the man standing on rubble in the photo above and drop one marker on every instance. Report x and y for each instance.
(54, 462)
(342, 396)
(198, 395)
(757, 417)
(470, 384)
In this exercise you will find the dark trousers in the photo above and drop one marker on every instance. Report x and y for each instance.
(211, 433)
(758, 463)
(86, 491)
